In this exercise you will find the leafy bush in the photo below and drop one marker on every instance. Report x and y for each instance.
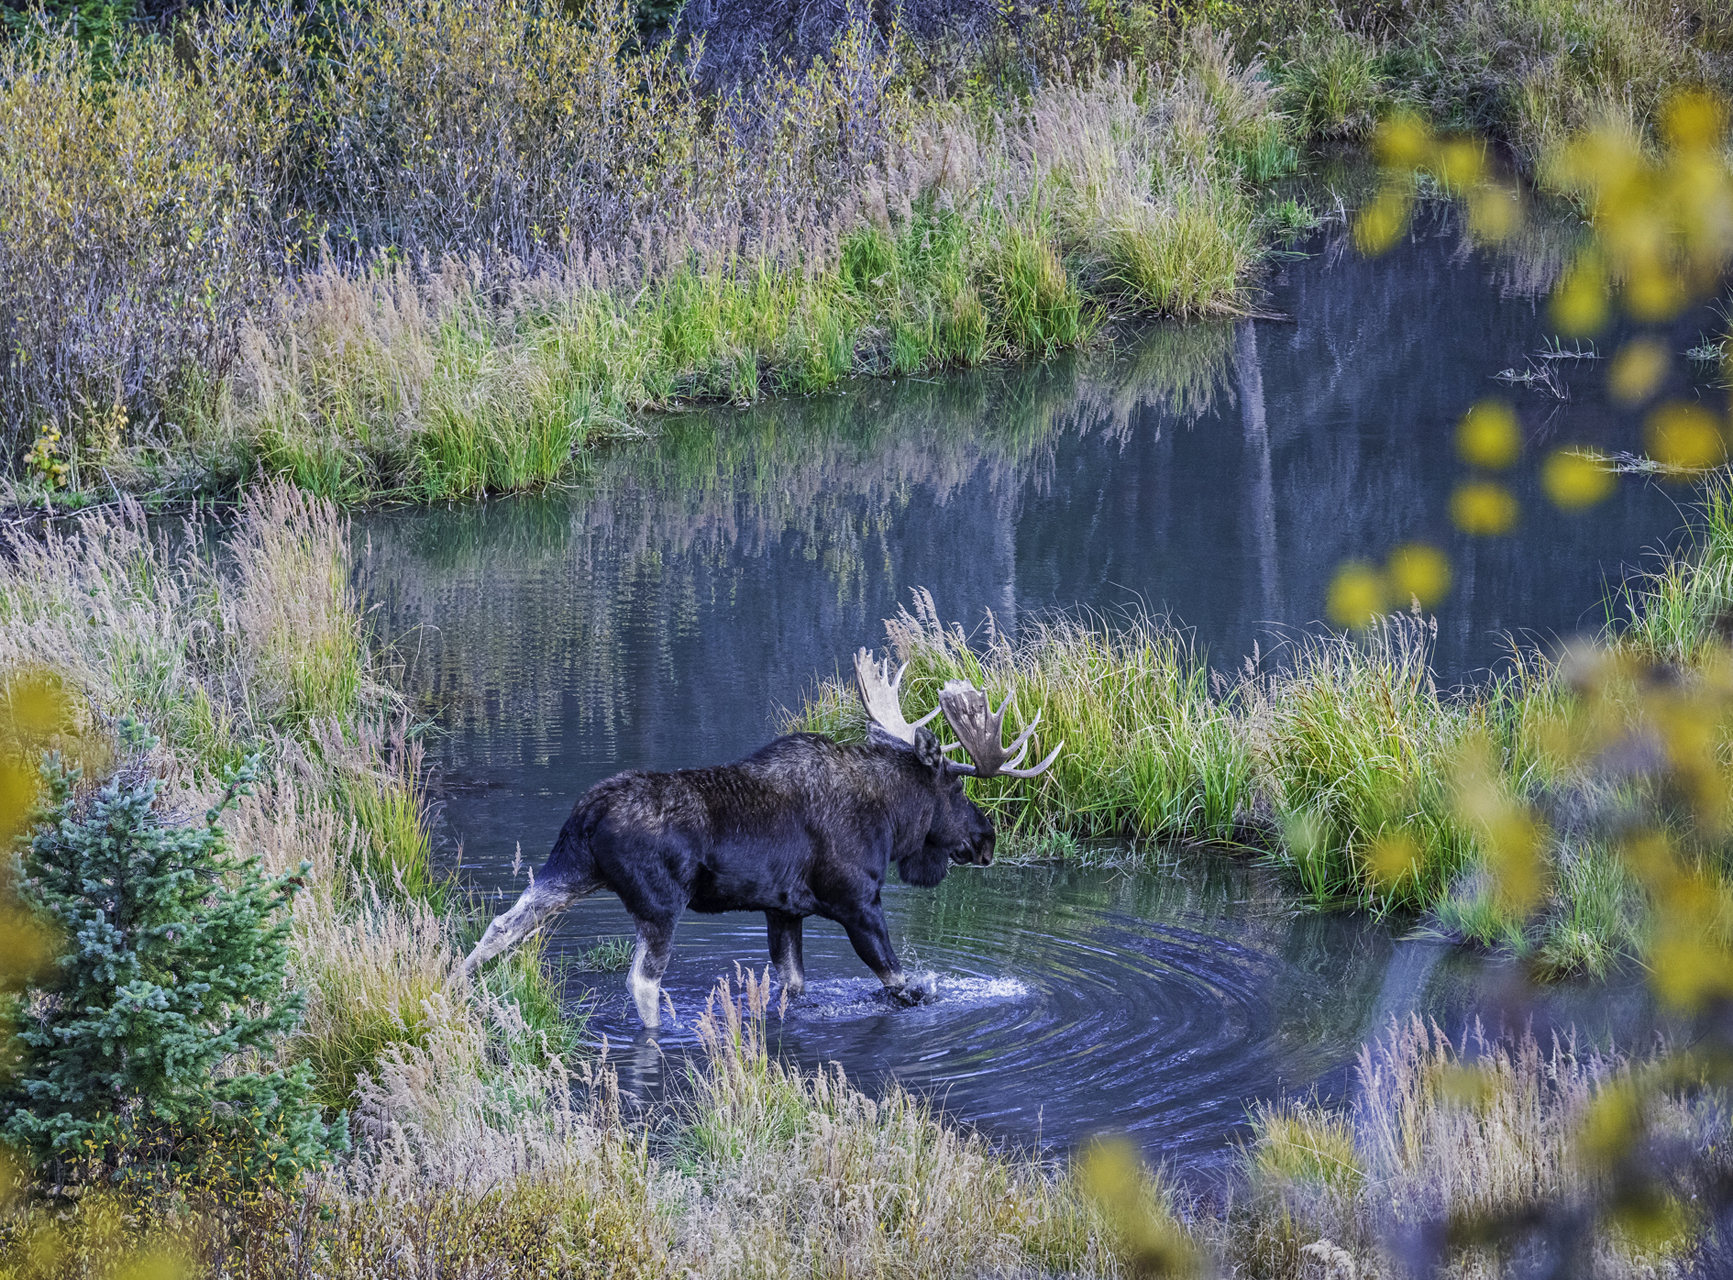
(137, 222)
(143, 1049)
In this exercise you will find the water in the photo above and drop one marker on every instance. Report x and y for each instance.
(1074, 1001)
(661, 613)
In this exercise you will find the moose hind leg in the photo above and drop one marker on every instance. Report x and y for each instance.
(785, 950)
(649, 963)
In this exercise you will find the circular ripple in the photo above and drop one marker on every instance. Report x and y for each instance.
(1065, 1003)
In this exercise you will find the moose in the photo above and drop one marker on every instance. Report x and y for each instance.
(804, 826)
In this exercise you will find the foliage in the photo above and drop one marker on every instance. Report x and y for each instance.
(136, 1047)
(435, 250)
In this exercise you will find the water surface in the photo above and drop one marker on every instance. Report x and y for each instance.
(662, 612)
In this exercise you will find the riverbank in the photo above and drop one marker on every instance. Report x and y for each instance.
(1340, 758)
(472, 1150)
(328, 256)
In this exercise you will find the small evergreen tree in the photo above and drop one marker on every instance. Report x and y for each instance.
(140, 1046)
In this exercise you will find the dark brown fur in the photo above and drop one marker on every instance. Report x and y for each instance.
(804, 826)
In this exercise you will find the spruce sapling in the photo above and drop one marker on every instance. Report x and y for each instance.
(146, 1046)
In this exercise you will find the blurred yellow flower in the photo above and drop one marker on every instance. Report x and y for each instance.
(1488, 435)
(1483, 508)
(1694, 120)
(1392, 858)
(1402, 142)
(1461, 162)
(1494, 212)
(1579, 304)
(1419, 572)
(1575, 480)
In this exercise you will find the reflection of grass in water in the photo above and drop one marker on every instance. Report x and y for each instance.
(1179, 369)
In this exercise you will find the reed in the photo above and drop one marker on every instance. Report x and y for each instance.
(1344, 763)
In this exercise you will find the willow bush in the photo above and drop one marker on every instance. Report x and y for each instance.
(432, 248)
(139, 223)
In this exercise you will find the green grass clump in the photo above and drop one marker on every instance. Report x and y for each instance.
(1356, 748)
(1149, 752)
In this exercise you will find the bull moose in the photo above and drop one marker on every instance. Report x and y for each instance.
(804, 826)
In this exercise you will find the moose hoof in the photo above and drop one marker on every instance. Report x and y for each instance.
(915, 991)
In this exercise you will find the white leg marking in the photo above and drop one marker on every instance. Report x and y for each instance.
(646, 991)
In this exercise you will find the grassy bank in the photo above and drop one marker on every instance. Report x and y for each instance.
(320, 251)
(258, 648)
(764, 1172)
(1343, 762)
(408, 286)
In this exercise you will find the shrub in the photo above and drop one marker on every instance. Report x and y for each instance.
(141, 1050)
(138, 222)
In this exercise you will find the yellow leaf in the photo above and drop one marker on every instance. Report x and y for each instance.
(1357, 595)
(1574, 480)
(1686, 436)
(1419, 572)
(1483, 509)
(1488, 435)
(1637, 370)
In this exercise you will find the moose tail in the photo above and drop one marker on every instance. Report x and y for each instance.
(567, 875)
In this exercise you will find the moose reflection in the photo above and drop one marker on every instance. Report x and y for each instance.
(804, 826)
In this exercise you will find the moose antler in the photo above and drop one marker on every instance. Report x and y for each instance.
(878, 693)
(981, 730)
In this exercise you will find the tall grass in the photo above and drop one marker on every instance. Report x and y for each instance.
(1344, 763)
(1355, 746)
(256, 646)
(1443, 1130)
(472, 1168)
(457, 241)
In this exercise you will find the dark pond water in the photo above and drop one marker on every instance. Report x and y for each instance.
(661, 613)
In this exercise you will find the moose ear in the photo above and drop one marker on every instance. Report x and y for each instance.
(927, 750)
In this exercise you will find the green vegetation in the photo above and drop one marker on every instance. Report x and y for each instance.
(260, 652)
(406, 285)
(174, 972)
(1345, 764)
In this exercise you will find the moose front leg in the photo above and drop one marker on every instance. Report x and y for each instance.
(872, 943)
(785, 950)
(649, 962)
